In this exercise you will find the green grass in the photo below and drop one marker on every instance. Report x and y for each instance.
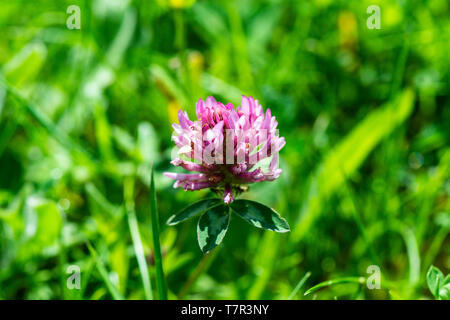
(85, 121)
(137, 242)
(160, 279)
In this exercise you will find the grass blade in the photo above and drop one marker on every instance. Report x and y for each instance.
(412, 251)
(299, 285)
(359, 280)
(137, 242)
(160, 280)
(104, 274)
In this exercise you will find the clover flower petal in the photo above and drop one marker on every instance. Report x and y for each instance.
(224, 145)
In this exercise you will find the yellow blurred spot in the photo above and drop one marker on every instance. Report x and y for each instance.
(347, 29)
(172, 109)
(196, 60)
(195, 63)
(176, 4)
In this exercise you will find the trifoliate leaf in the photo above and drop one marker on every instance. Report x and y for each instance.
(212, 227)
(260, 215)
(192, 210)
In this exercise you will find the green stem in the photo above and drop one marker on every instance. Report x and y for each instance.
(202, 266)
(160, 279)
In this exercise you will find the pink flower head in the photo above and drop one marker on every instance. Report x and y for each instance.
(226, 146)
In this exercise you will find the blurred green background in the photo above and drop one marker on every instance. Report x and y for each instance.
(84, 113)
